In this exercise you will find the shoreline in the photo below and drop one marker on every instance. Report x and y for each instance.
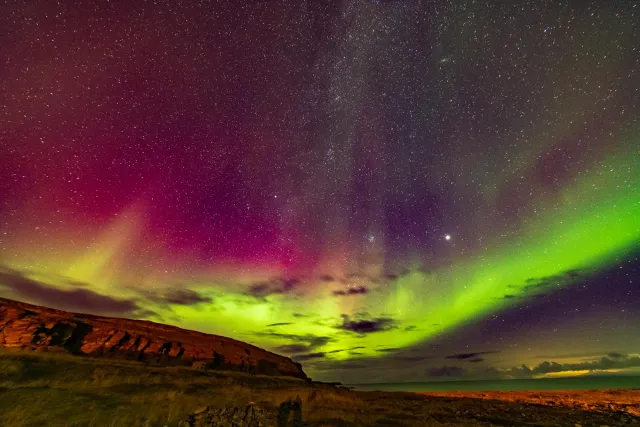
(606, 400)
(60, 390)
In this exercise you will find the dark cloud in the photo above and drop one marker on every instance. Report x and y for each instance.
(326, 278)
(620, 361)
(345, 349)
(144, 313)
(300, 315)
(176, 296)
(292, 348)
(446, 371)
(296, 343)
(542, 283)
(272, 287)
(616, 355)
(476, 360)
(280, 324)
(468, 356)
(410, 328)
(328, 365)
(309, 356)
(262, 290)
(387, 350)
(360, 290)
(367, 326)
(536, 287)
(80, 300)
(416, 358)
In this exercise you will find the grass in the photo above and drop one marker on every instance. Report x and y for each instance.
(55, 390)
(62, 390)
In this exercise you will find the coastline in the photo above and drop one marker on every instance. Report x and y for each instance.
(60, 390)
(610, 400)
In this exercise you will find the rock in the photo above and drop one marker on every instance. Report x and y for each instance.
(290, 410)
(31, 327)
(201, 410)
(249, 416)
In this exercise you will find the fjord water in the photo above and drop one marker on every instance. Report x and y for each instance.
(573, 383)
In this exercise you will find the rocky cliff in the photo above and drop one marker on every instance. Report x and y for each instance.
(31, 327)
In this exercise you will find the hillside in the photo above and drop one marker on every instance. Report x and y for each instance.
(60, 390)
(30, 327)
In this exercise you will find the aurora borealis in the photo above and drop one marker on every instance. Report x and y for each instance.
(383, 191)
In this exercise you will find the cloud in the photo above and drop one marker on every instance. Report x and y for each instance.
(326, 278)
(142, 313)
(616, 355)
(541, 283)
(280, 324)
(176, 296)
(296, 343)
(416, 358)
(262, 290)
(292, 348)
(388, 350)
(446, 371)
(81, 300)
(272, 287)
(360, 290)
(367, 326)
(620, 361)
(328, 365)
(345, 349)
(309, 356)
(469, 356)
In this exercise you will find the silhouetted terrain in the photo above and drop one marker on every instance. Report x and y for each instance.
(61, 390)
(31, 327)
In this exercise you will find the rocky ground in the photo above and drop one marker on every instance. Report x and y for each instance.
(400, 409)
(620, 401)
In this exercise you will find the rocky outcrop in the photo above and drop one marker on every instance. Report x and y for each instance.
(289, 415)
(31, 327)
(250, 416)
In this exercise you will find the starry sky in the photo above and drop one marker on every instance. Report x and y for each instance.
(381, 190)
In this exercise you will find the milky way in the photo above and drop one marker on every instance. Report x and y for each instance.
(390, 190)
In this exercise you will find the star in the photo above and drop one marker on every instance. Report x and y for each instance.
(447, 237)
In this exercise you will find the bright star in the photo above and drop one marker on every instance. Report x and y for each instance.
(447, 237)
(372, 238)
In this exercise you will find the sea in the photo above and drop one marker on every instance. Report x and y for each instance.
(572, 383)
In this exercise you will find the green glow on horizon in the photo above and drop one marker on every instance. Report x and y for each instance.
(589, 224)
(595, 221)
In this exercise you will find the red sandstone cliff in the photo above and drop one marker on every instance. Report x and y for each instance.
(38, 328)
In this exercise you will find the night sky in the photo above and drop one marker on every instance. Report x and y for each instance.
(382, 190)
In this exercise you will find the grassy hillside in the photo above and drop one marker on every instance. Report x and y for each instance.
(62, 390)
(55, 390)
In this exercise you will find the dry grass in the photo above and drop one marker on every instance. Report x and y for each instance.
(61, 390)
(58, 390)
